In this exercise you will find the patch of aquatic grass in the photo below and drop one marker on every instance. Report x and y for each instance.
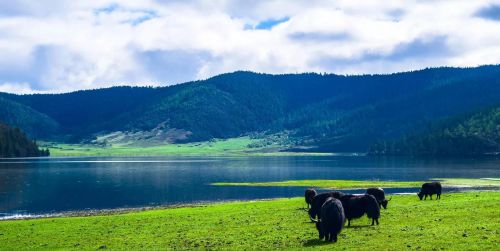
(483, 182)
(459, 221)
(334, 184)
(353, 184)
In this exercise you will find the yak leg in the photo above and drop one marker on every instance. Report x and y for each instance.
(376, 220)
(348, 222)
(373, 221)
(439, 196)
(321, 236)
(333, 237)
(425, 197)
(430, 196)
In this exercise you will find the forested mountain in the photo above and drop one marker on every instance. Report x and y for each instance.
(326, 112)
(475, 134)
(34, 123)
(14, 143)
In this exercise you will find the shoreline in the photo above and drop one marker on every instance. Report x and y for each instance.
(245, 155)
(215, 155)
(126, 210)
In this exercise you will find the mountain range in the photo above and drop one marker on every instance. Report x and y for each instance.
(321, 112)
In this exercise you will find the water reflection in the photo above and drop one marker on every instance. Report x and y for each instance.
(60, 184)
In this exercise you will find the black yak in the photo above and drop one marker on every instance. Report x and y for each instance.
(317, 203)
(309, 195)
(332, 219)
(428, 189)
(379, 194)
(356, 206)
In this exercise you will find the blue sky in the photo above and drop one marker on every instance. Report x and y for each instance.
(60, 46)
(270, 23)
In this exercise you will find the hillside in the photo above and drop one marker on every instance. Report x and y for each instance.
(475, 134)
(14, 143)
(34, 123)
(320, 112)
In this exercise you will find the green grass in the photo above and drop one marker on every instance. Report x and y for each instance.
(352, 184)
(228, 147)
(459, 221)
(485, 182)
(337, 184)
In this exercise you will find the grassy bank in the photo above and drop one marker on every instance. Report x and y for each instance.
(334, 184)
(460, 221)
(353, 184)
(230, 147)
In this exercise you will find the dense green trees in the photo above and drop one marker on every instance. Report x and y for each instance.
(475, 134)
(35, 123)
(326, 112)
(14, 143)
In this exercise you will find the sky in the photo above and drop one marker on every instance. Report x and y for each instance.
(53, 46)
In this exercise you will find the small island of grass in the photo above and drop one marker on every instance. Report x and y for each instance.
(356, 184)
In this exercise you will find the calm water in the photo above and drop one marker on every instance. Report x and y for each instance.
(39, 186)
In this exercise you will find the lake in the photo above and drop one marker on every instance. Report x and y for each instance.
(52, 185)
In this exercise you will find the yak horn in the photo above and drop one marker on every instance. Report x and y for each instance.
(314, 220)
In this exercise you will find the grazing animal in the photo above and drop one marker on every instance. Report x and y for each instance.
(309, 195)
(317, 203)
(356, 206)
(429, 189)
(379, 194)
(332, 220)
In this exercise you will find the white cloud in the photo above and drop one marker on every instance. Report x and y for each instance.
(57, 45)
(20, 88)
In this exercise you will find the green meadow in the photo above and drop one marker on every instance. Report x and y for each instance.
(459, 221)
(221, 147)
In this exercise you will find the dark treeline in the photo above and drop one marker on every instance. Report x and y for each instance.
(475, 134)
(325, 111)
(14, 143)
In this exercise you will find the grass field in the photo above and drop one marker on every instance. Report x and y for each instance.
(352, 184)
(459, 221)
(230, 147)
